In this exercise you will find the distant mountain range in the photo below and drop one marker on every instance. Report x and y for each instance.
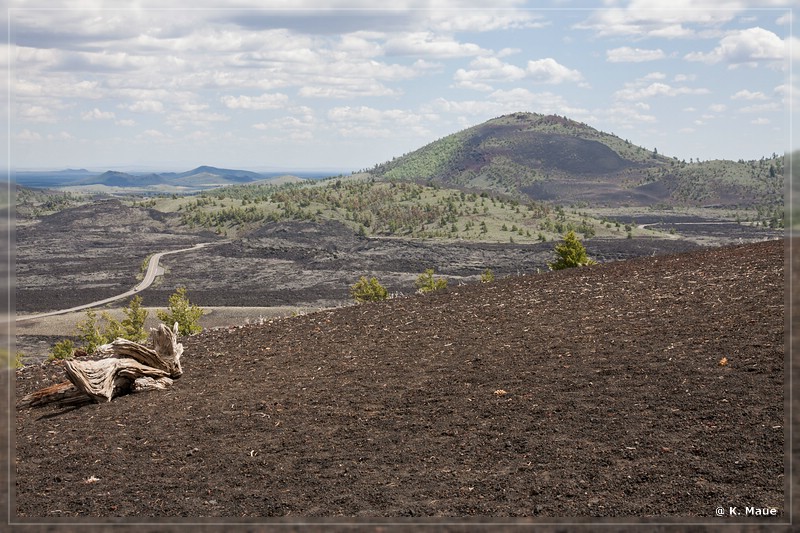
(547, 157)
(202, 177)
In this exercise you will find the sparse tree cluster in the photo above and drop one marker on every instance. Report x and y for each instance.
(93, 332)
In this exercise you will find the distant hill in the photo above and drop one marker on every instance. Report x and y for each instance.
(212, 176)
(202, 177)
(547, 157)
(113, 178)
(233, 175)
(50, 178)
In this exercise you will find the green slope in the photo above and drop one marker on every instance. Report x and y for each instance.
(547, 157)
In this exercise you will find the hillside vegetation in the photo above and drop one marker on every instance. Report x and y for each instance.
(386, 209)
(555, 158)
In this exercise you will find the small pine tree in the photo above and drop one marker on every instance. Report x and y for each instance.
(426, 282)
(571, 253)
(113, 329)
(62, 350)
(183, 312)
(368, 290)
(133, 323)
(89, 333)
(487, 276)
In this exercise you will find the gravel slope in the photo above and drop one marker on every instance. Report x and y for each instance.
(646, 388)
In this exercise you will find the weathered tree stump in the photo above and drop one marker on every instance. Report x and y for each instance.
(130, 367)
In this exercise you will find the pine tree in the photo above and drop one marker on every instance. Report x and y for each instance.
(571, 253)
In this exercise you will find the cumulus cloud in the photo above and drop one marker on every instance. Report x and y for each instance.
(145, 106)
(549, 70)
(627, 116)
(744, 47)
(96, 114)
(344, 88)
(744, 94)
(671, 19)
(264, 101)
(656, 89)
(429, 44)
(153, 133)
(365, 121)
(36, 113)
(484, 70)
(626, 54)
(486, 20)
(28, 135)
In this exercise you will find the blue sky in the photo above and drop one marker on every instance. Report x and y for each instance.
(340, 85)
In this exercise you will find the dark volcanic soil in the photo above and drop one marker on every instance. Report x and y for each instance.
(651, 387)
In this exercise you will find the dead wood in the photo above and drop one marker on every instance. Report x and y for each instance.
(165, 354)
(54, 393)
(105, 378)
(130, 367)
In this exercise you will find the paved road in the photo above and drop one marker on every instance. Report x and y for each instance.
(149, 276)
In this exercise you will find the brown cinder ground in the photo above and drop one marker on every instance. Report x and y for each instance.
(593, 392)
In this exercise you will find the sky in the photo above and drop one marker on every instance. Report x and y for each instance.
(305, 85)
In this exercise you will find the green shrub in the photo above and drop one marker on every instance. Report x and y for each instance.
(182, 311)
(368, 290)
(62, 350)
(571, 253)
(428, 283)
(89, 332)
(133, 323)
(487, 276)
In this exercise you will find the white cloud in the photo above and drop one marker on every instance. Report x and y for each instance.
(671, 19)
(760, 121)
(718, 108)
(744, 47)
(548, 70)
(300, 126)
(502, 102)
(762, 108)
(544, 102)
(744, 94)
(60, 136)
(428, 44)
(344, 88)
(785, 20)
(96, 114)
(487, 69)
(627, 116)
(656, 89)
(364, 121)
(265, 101)
(145, 106)
(125, 122)
(36, 113)
(626, 54)
(154, 134)
(28, 135)
(485, 20)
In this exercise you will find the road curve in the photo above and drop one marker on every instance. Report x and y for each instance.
(149, 276)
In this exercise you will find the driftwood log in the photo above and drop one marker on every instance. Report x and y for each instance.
(129, 367)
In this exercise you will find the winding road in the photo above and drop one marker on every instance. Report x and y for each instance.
(153, 271)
